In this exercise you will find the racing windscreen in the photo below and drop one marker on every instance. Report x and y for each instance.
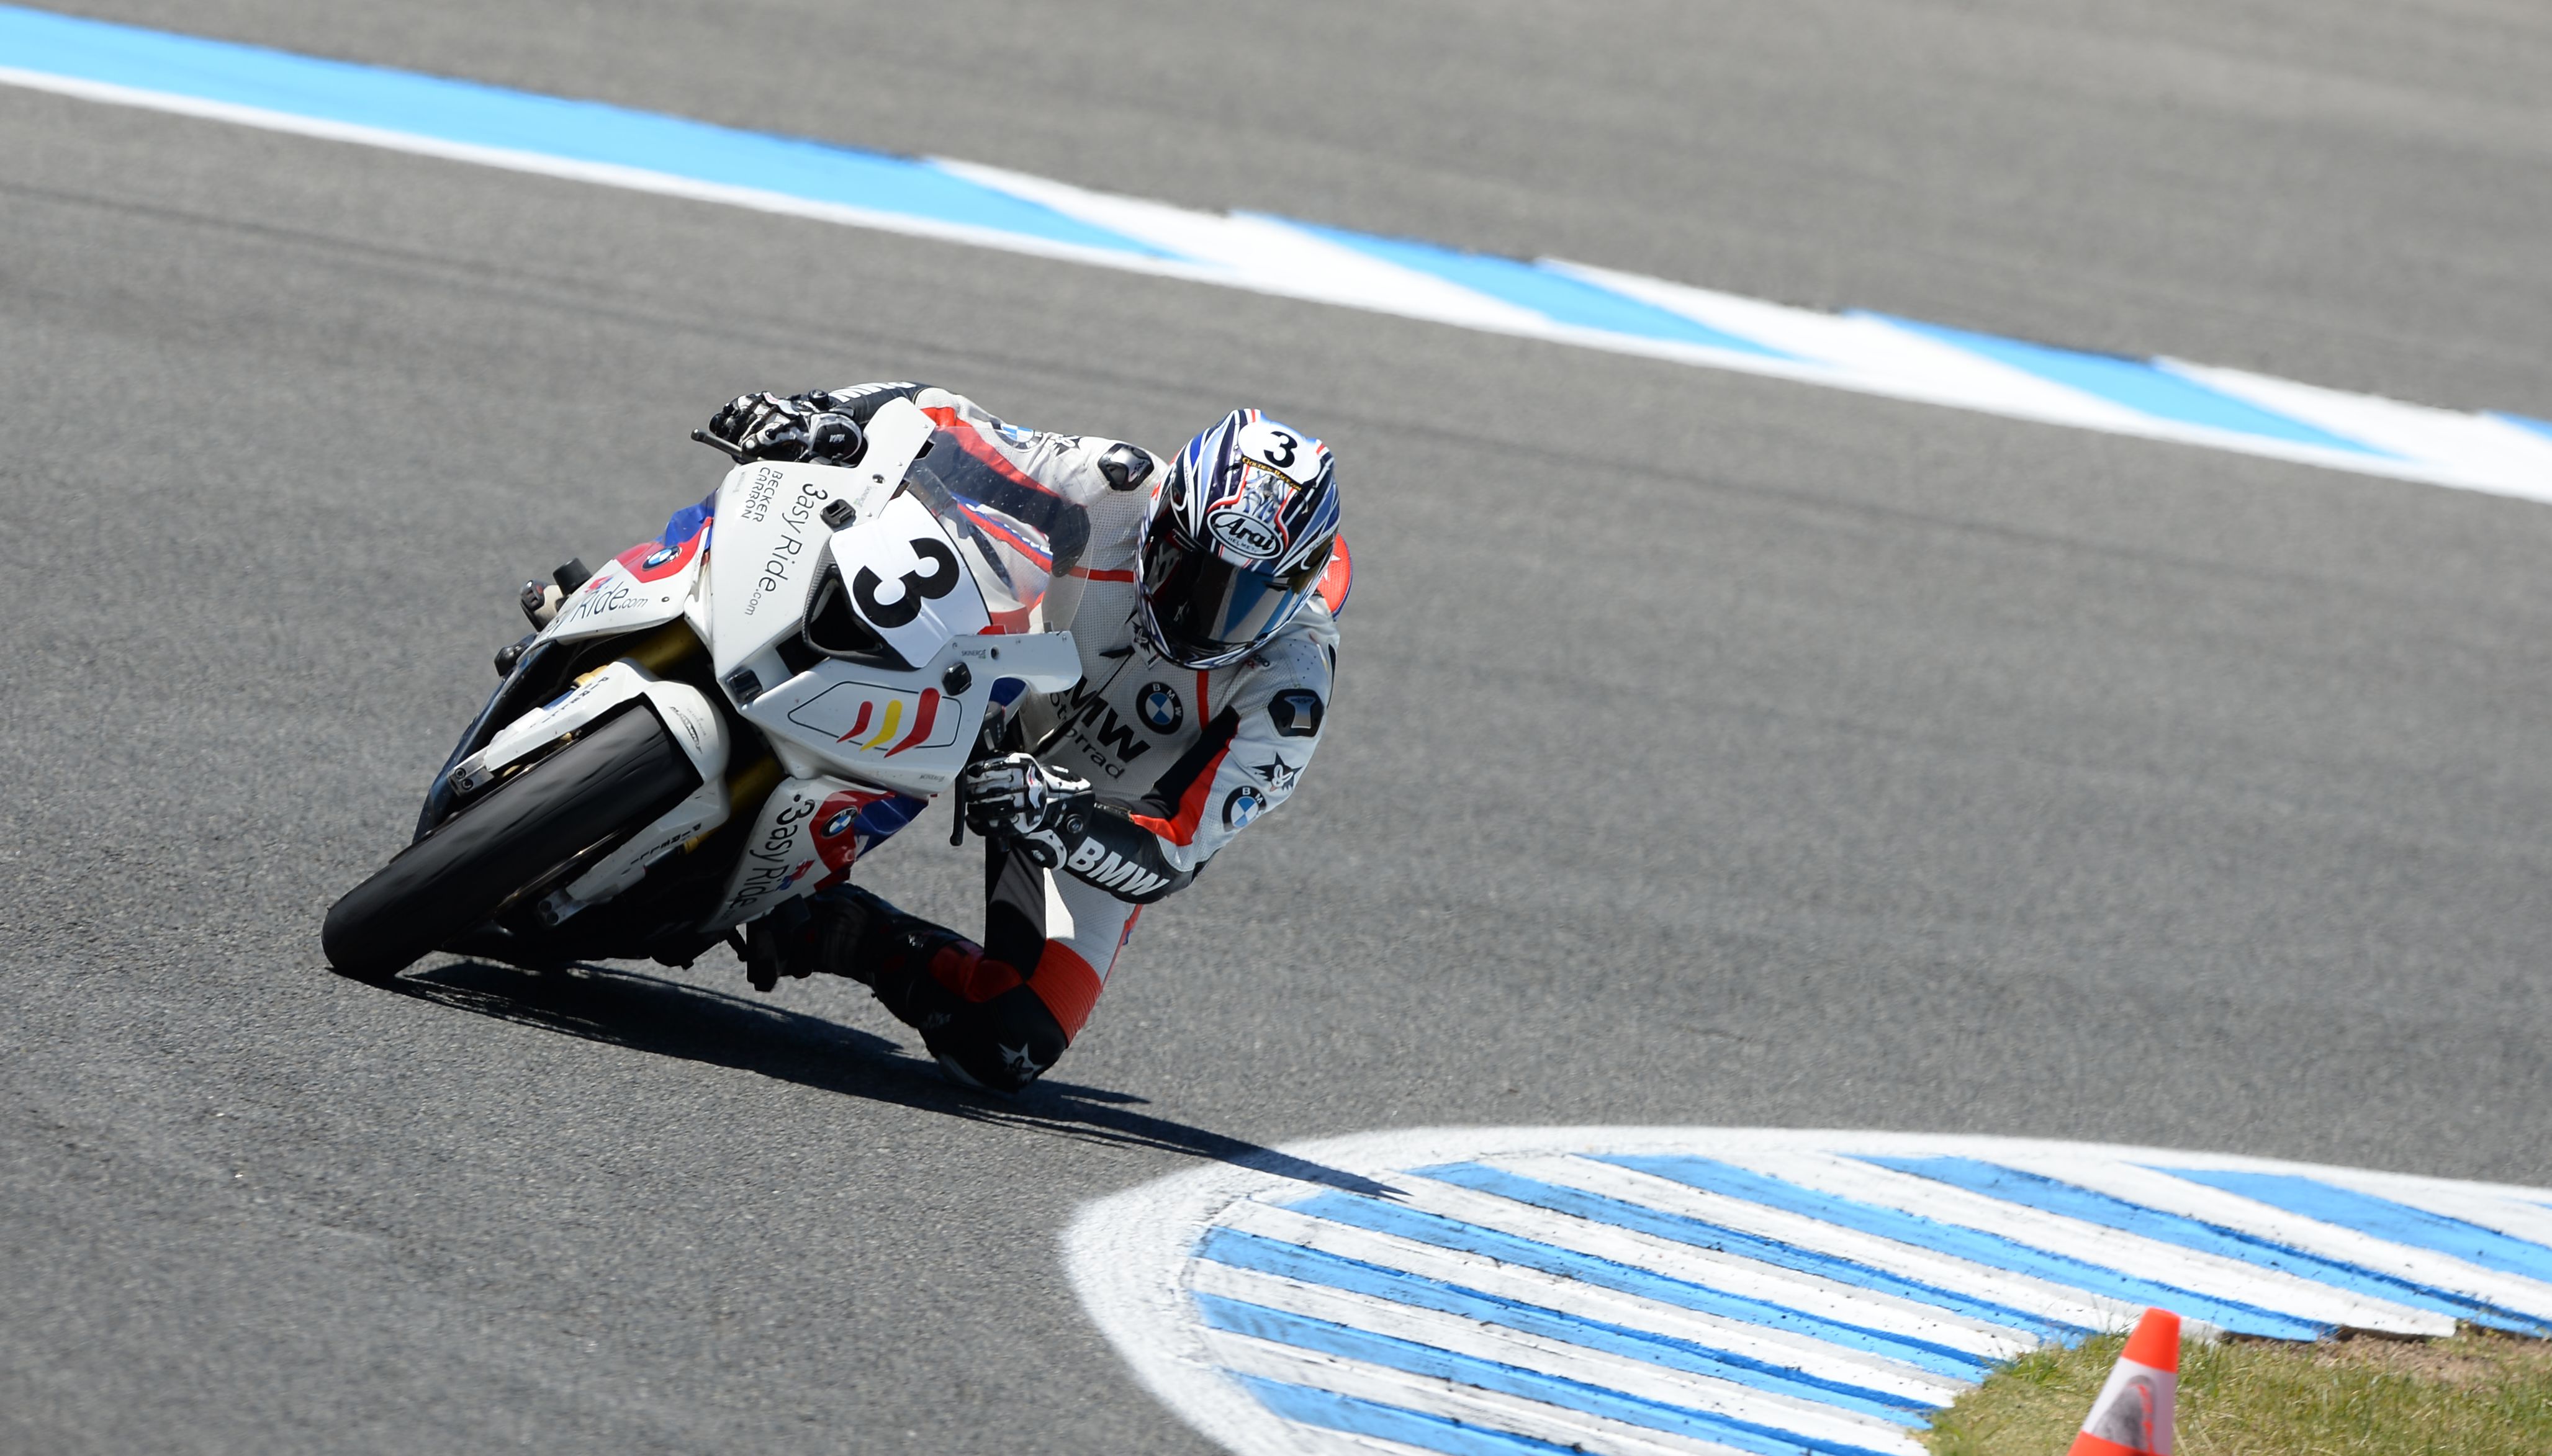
(1018, 537)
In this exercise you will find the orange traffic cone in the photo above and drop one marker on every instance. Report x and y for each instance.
(2132, 1417)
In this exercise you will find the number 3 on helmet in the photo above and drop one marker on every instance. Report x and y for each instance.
(1237, 536)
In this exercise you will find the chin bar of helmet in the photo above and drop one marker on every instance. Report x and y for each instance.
(1159, 641)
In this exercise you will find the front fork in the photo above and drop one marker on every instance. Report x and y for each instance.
(799, 833)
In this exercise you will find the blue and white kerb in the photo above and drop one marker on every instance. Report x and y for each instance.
(1546, 298)
(1640, 1291)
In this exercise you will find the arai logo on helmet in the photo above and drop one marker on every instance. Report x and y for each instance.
(1245, 533)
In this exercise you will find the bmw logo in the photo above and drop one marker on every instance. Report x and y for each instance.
(1246, 805)
(1160, 707)
(834, 826)
(662, 554)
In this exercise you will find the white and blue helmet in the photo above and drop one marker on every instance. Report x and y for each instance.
(1238, 535)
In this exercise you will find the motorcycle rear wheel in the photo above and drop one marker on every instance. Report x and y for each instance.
(618, 778)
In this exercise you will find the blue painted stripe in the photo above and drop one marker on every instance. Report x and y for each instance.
(477, 115)
(1684, 1230)
(1445, 1233)
(1311, 1266)
(1555, 296)
(2053, 1196)
(2522, 422)
(1332, 1412)
(2382, 1217)
(1304, 1333)
(1976, 1246)
(2138, 386)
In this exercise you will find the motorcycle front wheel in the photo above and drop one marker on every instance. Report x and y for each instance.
(620, 777)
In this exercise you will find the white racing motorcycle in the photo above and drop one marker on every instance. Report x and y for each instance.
(705, 731)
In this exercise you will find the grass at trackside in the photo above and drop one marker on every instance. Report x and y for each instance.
(2476, 1395)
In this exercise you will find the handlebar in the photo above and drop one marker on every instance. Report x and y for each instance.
(734, 452)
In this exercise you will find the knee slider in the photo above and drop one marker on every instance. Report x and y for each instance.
(1000, 1045)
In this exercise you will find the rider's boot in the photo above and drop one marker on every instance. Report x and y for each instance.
(976, 1013)
(803, 936)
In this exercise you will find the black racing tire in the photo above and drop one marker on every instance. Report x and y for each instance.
(598, 789)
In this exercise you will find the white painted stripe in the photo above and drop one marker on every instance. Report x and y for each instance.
(1270, 255)
(1874, 356)
(1324, 272)
(1869, 355)
(2020, 1292)
(1558, 1359)
(1804, 1353)
(1854, 352)
(1730, 1274)
(2478, 452)
(1313, 1440)
(1276, 257)
(1451, 1400)
(605, 175)
(2168, 1194)
(2515, 1216)
(1263, 253)
(1132, 1255)
(2512, 1212)
(2109, 1248)
(1318, 1442)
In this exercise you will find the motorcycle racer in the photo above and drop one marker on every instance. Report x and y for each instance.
(1204, 611)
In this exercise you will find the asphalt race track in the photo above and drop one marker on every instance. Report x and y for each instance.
(1710, 750)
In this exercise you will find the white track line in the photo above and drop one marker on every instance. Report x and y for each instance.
(602, 174)
(1292, 259)
(1453, 1401)
(1542, 1355)
(2107, 1248)
(2516, 1217)
(1873, 357)
(2488, 453)
(1263, 255)
(1727, 1273)
(1135, 1260)
(2168, 1194)
(2021, 1291)
(1805, 1353)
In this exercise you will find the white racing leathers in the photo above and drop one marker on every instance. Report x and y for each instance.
(1182, 760)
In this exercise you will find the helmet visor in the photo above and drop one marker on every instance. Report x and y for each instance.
(1206, 607)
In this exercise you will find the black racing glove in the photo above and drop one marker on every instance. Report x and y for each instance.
(1014, 800)
(766, 427)
(1059, 822)
(861, 401)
